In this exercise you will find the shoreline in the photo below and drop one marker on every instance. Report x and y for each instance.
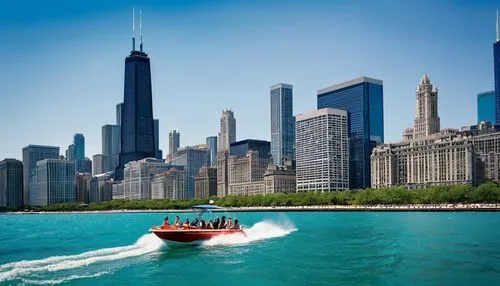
(326, 208)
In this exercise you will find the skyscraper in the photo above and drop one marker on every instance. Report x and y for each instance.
(158, 152)
(99, 163)
(192, 159)
(119, 108)
(496, 64)
(79, 142)
(83, 165)
(56, 182)
(427, 120)
(227, 134)
(31, 155)
(322, 150)
(282, 123)
(70, 153)
(212, 151)
(174, 140)
(486, 107)
(11, 183)
(137, 126)
(362, 98)
(111, 146)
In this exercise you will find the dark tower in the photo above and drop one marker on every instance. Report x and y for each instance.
(496, 64)
(137, 128)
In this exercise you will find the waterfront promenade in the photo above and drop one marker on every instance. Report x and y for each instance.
(318, 208)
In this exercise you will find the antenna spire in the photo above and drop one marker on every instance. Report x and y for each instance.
(140, 27)
(133, 29)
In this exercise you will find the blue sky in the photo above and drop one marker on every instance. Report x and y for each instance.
(62, 64)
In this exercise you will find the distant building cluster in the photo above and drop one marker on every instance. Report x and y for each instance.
(339, 146)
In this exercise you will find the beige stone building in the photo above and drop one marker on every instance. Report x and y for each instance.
(427, 155)
(169, 185)
(279, 179)
(246, 174)
(205, 183)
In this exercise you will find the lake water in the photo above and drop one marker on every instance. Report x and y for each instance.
(310, 248)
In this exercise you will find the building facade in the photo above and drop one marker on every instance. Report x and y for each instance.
(222, 173)
(158, 151)
(99, 164)
(496, 67)
(246, 174)
(174, 141)
(138, 176)
(227, 134)
(169, 185)
(206, 183)
(111, 145)
(137, 126)
(322, 150)
(427, 120)
(362, 98)
(101, 188)
(486, 107)
(31, 155)
(71, 153)
(282, 123)
(212, 151)
(55, 182)
(83, 182)
(11, 183)
(119, 108)
(241, 148)
(192, 159)
(439, 159)
(280, 179)
(83, 165)
(79, 142)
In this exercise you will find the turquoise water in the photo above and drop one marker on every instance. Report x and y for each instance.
(358, 248)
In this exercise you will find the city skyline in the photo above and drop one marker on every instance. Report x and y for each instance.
(444, 28)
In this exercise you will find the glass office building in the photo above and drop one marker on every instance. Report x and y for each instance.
(31, 155)
(137, 127)
(79, 142)
(111, 146)
(362, 98)
(11, 183)
(192, 159)
(486, 107)
(56, 182)
(212, 151)
(282, 123)
(241, 148)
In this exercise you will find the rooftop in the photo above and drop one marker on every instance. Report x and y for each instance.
(349, 83)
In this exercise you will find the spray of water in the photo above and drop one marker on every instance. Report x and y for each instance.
(259, 231)
(18, 270)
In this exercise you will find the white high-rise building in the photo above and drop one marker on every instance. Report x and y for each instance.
(227, 134)
(322, 150)
(138, 176)
(55, 180)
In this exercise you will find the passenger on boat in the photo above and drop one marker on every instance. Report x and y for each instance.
(186, 223)
(194, 223)
(177, 221)
(203, 224)
(223, 223)
(165, 221)
(236, 225)
(229, 223)
(216, 224)
(210, 224)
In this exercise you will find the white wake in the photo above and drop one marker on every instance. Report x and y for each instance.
(259, 231)
(19, 270)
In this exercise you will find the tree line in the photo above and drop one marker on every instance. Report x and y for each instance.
(485, 193)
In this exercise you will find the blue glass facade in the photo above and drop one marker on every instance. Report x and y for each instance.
(137, 127)
(79, 142)
(192, 159)
(486, 106)
(111, 146)
(282, 123)
(241, 148)
(362, 98)
(212, 151)
(496, 60)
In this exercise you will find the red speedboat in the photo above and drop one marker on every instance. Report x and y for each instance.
(190, 234)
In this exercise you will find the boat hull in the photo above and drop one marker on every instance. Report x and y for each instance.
(191, 235)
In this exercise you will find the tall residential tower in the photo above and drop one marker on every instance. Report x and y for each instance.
(282, 123)
(137, 127)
